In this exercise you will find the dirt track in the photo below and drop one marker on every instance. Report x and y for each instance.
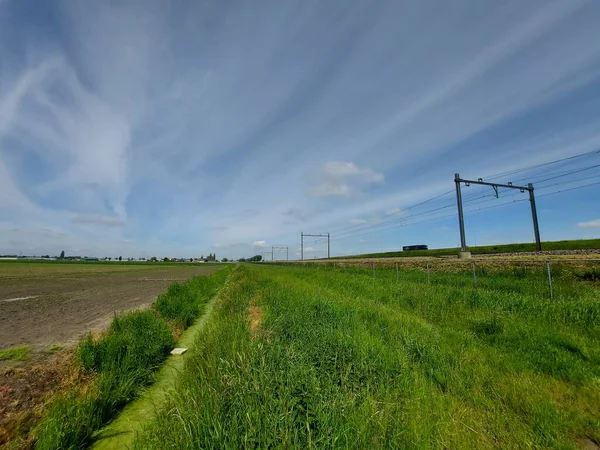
(68, 300)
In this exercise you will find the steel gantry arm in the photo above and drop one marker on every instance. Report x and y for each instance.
(461, 221)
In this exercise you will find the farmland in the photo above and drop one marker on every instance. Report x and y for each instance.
(46, 307)
(48, 303)
(357, 353)
(335, 357)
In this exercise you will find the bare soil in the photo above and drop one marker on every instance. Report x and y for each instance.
(43, 304)
(24, 389)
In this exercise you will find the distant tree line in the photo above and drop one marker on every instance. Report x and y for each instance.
(255, 258)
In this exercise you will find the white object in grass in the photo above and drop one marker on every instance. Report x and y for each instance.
(178, 351)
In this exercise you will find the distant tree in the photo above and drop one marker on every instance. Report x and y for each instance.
(224, 260)
(153, 259)
(110, 258)
(120, 258)
(191, 259)
(62, 255)
(165, 259)
(242, 260)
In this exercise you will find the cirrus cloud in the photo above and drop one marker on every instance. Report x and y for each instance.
(344, 179)
(99, 220)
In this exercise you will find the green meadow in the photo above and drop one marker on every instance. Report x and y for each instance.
(325, 357)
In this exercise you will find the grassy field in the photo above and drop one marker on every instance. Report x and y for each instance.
(323, 357)
(580, 244)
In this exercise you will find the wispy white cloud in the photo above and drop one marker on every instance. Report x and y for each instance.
(589, 224)
(259, 244)
(98, 220)
(193, 135)
(296, 213)
(343, 179)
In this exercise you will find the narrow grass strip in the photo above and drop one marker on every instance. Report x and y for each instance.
(122, 431)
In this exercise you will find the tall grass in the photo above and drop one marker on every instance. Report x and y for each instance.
(119, 363)
(180, 302)
(342, 359)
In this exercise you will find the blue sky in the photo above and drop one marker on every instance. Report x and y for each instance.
(142, 128)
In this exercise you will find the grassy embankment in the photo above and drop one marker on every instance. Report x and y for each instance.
(580, 244)
(297, 357)
(116, 365)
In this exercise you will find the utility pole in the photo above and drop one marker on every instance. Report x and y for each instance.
(461, 221)
(266, 253)
(536, 226)
(282, 248)
(315, 235)
(461, 218)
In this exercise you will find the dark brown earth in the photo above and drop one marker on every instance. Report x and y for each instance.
(70, 300)
(24, 389)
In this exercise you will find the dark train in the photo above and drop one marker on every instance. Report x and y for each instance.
(414, 247)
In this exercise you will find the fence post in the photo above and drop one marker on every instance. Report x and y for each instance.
(373, 270)
(397, 274)
(549, 279)
(474, 276)
(428, 280)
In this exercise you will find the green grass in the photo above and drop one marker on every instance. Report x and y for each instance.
(580, 244)
(180, 303)
(118, 365)
(18, 353)
(124, 359)
(345, 360)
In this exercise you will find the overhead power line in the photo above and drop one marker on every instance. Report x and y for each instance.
(378, 220)
(537, 166)
(379, 224)
(570, 189)
(404, 222)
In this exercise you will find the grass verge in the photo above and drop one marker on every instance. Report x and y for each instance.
(300, 357)
(120, 362)
(18, 353)
(578, 244)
